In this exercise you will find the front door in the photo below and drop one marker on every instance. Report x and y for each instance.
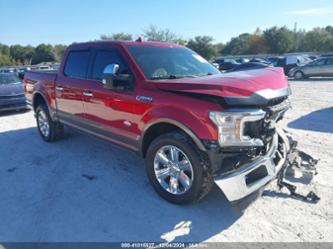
(110, 113)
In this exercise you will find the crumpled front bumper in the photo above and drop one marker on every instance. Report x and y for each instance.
(256, 174)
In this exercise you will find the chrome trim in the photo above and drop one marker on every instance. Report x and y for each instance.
(234, 184)
(88, 94)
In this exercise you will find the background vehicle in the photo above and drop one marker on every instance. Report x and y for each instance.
(192, 124)
(11, 93)
(248, 66)
(260, 60)
(226, 64)
(319, 67)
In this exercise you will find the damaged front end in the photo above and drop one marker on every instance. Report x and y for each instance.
(253, 150)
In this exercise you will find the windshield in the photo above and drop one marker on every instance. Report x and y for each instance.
(9, 79)
(170, 62)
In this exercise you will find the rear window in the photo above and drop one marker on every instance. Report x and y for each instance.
(77, 64)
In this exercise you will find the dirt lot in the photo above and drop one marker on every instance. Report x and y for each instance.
(83, 189)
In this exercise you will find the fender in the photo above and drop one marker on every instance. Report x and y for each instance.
(52, 111)
(196, 128)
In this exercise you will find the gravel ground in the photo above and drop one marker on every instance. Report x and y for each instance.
(83, 189)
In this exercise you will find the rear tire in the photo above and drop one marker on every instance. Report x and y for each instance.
(186, 176)
(49, 130)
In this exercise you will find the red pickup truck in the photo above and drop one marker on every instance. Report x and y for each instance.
(193, 124)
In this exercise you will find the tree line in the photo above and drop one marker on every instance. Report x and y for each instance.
(274, 40)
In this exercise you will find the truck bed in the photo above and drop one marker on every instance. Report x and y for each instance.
(39, 81)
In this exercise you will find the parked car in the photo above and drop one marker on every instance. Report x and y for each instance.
(260, 60)
(11, 93)
(319, 67)
(287, 62)
(20, 71)
(248, 66)
(7, 70)
(242, 60)
(226, 64)
(192, 124)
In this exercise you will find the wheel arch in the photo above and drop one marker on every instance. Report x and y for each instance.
(39, 98)
(163, 126)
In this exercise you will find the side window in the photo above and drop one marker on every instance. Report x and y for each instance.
(77, 64)
(319, 62)
(329, 61)
(104, 58)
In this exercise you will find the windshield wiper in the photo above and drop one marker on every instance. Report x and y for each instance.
(172, 76)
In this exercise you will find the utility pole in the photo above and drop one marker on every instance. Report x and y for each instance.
(295, 37)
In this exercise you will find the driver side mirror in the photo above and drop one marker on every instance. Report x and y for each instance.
(113, 80)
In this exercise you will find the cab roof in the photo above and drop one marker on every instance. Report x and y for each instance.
(123, 44)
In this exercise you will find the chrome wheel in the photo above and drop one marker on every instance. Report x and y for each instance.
(43, 123)
(173, 170)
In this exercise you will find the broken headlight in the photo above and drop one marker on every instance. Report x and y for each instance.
(230, 126)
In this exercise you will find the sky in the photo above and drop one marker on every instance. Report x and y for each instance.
(67, 21)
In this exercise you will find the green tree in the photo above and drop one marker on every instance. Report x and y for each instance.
(257, 43)
(5, 60)
(317, 40)
(152, 33)
(203, 45)
(4, 49)
(279, 40)
(237, 45)
(218, 47)
(117, 37)
(43, 53)
(21, 54)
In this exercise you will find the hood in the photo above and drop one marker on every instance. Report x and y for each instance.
(11, 89)
(252, 87)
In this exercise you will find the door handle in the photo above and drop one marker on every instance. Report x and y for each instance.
(59, 88)
(88, 94)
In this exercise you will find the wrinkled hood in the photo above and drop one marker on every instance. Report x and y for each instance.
(11, 89)
(250, 87)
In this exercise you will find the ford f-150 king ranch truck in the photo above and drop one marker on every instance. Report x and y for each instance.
(193, 125)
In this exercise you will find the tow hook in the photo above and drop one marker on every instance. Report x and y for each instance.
(301, 162)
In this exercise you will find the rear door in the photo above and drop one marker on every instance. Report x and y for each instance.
(69, 91)
(329, 67)
(315, 68)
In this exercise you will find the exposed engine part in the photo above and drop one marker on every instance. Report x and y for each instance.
(298, 161)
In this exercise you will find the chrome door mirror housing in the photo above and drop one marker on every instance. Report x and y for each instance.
(109, 73)
(113, 79)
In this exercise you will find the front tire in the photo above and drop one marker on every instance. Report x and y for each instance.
(49, 130)
(299, 75)
(178, 171)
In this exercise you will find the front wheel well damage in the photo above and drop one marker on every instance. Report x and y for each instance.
(157, 130)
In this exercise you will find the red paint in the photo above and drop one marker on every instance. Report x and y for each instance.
(109, 109)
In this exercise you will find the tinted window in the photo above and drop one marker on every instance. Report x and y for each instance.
(318, 62)
(77, 64)
(329, 61)
(104, 58)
